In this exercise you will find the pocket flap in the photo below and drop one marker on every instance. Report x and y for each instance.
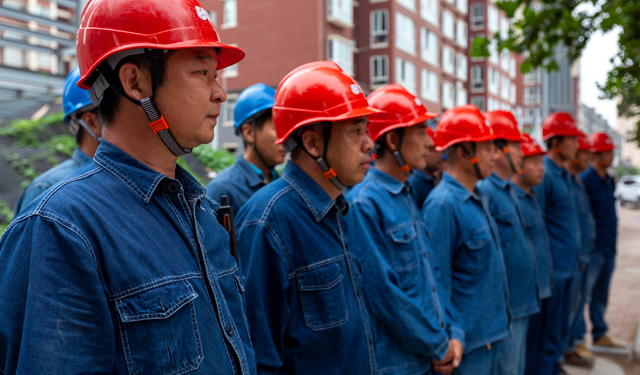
(320, 278)
(405, 234)
(478, 239)
(156, 303)
(507, 219)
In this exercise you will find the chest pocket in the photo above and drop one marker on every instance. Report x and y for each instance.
(322, 296)
(160, 331)
(478, 251)
(507, 224)
(405, 255)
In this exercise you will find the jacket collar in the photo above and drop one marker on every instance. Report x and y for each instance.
(248, 172)
(554, 168)
(140, 178)
(394, 186)
(313, 195)
(80, 158)
(456, 187)
(498, 181)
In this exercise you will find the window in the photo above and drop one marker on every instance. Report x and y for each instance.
(477, 16)
(493, 104)
(13, 5)
(533, 77)
(447, 24)
(379, 70)
(42, 11)
(227, 110)
(447, 60)
(461, 66)
(477, 78)
(461, 94)
(452, 2)
(213, 16)
(462, 6)
(429, 11)
(340, 12)
(406, 75)
(429, 46)
(504, 27)
(448, 95)
(532, 95)
(12, 35)
(494, 80)
(13, 57)
(505, 107)
(44, 60)
(512, 95)
(429, 86)
(405, 33)
(493, 50)
(512, 67)
(340, 51)
(461, 33)
(504, 59)
(478, 101)
(380, 27)
(492, 16)
(505, 87)
(229, 13)
(409, 4)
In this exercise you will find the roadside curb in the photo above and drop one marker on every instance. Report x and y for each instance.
(602, 367)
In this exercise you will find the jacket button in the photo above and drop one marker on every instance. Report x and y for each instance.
(424, 255)
(406, 236)
(172, 187)
(442, 325)
(433, 289)
(229, 330)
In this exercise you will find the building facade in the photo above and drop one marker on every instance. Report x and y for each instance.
(37, 51)
(630, 150)
(590, 121)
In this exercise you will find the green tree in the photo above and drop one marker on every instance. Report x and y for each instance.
(539, 26)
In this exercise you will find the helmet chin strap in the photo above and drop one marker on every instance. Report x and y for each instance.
(87, 128)
(403, 166)
(474, 159)
(505, 151)
(327, 171)
(254, 145)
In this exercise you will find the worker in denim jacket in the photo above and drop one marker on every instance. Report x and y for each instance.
(424, 180)
(529, 176)
(576, 352)
(123, 267)
(305, 298)
(518, 253)
(465, 238)
(555, 198)
(411, 324)
(253, 122)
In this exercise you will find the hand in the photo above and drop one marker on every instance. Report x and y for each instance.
(451, 359)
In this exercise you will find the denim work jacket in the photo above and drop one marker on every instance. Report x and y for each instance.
(555, 198)
(238, 182)
(517, 250)
(401, 287)
(537, 230)
(50, 178)
(102, 274)
(603, 205)
(586, 221)
(421, 186)
(305, 300)
(466, 244)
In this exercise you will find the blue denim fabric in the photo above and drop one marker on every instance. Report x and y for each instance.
(538, 327)
(238, 182)
(305, 302)
(577, 327)
(480, 361)
(598, 276)
(465, 242)
(101, 274)
(511, 355)
(411, 325)
(603, 204)
(421, 186)
(556, 327)
(537, 230)
(555, 199)
(586, 221)
(50, 178)
(517, 250)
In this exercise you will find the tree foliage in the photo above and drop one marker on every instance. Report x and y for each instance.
(540, 26)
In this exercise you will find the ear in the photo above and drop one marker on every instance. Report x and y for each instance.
(248, 133)
(93, 120)
(313, 142)
(136, 82)
(392, 141)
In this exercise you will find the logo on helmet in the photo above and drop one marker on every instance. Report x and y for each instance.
(202, 13)
(355, 88)
(418, 102)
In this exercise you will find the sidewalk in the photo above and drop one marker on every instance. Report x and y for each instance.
(602, 367)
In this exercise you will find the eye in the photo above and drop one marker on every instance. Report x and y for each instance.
(204, 72)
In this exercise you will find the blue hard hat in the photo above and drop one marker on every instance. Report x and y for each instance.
(252, 101)
(73, 97)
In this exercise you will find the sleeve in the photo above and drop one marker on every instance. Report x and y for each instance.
(55, 315)
(541, 192)
(416, 328)
(265, 271)
(29, 194)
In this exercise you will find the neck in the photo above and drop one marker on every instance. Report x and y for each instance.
(468, 180)
(389, 165)
(311, 168)
(429, 173)
(130, 132)
(88, 144)
(518, 180)
(556, 158)
(602, 171)
(571, 167)
(503, 173)
(252, 157)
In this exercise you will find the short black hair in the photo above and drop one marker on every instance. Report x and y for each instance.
(549, 142)
(500, 143)
(111, 100)
(258, 122)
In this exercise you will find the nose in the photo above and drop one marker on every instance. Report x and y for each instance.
(368, 143)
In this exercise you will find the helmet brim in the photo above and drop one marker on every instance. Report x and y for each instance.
(476, 139)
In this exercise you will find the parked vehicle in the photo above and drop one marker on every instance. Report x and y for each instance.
(628, 190)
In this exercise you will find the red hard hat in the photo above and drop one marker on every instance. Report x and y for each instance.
(402, 110)
(584, 144)
(504, 125)
(558, 124)
(317, 92)
(601, 142)
(462, 124)
(110, 27)
(530, 147)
